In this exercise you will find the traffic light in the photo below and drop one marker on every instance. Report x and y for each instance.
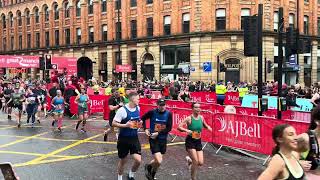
(48, 58)
(250, 34)
(291, 39)
(222, 68)
(42, 64)
(269, 66)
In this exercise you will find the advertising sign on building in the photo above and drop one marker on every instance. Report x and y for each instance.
(123, 68)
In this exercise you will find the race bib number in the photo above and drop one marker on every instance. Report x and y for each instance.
(159, 127)
(196, 135)
(135, 125)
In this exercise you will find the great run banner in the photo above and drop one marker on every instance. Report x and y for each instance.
(19, 61)
(252, 101)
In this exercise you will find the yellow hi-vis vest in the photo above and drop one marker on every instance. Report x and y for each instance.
(221, 89)
(243, 91)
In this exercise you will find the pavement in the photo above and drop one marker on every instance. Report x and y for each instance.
(44, 153)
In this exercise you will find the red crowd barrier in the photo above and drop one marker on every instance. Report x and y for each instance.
(232, 98)
(204, 97)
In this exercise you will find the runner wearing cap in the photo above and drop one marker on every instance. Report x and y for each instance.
(115, 102)
(127, 119)
(160, 126)
(195, 123)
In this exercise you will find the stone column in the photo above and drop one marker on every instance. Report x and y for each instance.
(314, 64)
(195, 58)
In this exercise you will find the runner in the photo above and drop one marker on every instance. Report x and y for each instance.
(284, 163)
(127, 119)
(31, 105)
(57, 104)
(160, 126)
(40, 100)
(115, 102)
(195, 123)
(17, 100)
(310, 147)
(7, 94)
(82, 100)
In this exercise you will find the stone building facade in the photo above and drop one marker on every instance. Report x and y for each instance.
(159, 38)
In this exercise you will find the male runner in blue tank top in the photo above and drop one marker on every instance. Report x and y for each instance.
(160, 126)
(127, 119)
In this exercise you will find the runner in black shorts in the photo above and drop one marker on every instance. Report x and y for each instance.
(7, 95)
(127, 119)
(115, 102)
(160, 126)
(16, 101)
(195, 123)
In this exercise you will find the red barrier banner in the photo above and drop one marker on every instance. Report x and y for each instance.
(250, 133)
(205, 97)
(95, 105)
(19, 61)
(232, 98)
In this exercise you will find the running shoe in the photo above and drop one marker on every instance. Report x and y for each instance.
(38, 121)
(83, 130)
(130, 178)
(147, 170)
(189, 162)
(52, 124)
(19, 125)
(60, 129)
(32, 125)
(105, 137)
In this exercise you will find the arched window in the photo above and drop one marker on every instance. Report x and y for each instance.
(36, 15)
(66, 10)
(56, 11)
(27, 14)
(90, 6)
(19, 19)
(78, 8)
(46, 13)
(11, 19)
(4, 23)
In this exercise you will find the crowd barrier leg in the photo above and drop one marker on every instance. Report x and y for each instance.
(266, 160)
(219, 149)
(209, 144)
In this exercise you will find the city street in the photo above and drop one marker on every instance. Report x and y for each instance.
(44, 153)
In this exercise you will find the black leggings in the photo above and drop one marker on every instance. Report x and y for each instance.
(31, 111)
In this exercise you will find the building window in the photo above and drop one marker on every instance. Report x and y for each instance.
(176, 55)
(28, 41)
(168, 56)
(20, 42)
(149, 27)
(78, 8)
(291, 20)
(66, 10)
(78, 35)
(318, 26)
(37, 40)
(56, 12)
(4, 24)
(104, 65)
(91, 35)
(275, 21)
(103, 5)
(4, 44)
(104, 33)
(118, 58)
(46, 14)
(133, 3)
(220, 19)
(167, 25)
(149, 1)
(186, 23)
(133, 29)
(67, 36)
(28, 17)
(118, 4)
(118, 30)
(11, 20)
(306, 25)
(183, 54)
(244, 13)
(47, 39)
(12, 43)
(36, 15)
(90, 6)
(19, 19)
(56, 37)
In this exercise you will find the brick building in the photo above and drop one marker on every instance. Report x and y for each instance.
(164, 36)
